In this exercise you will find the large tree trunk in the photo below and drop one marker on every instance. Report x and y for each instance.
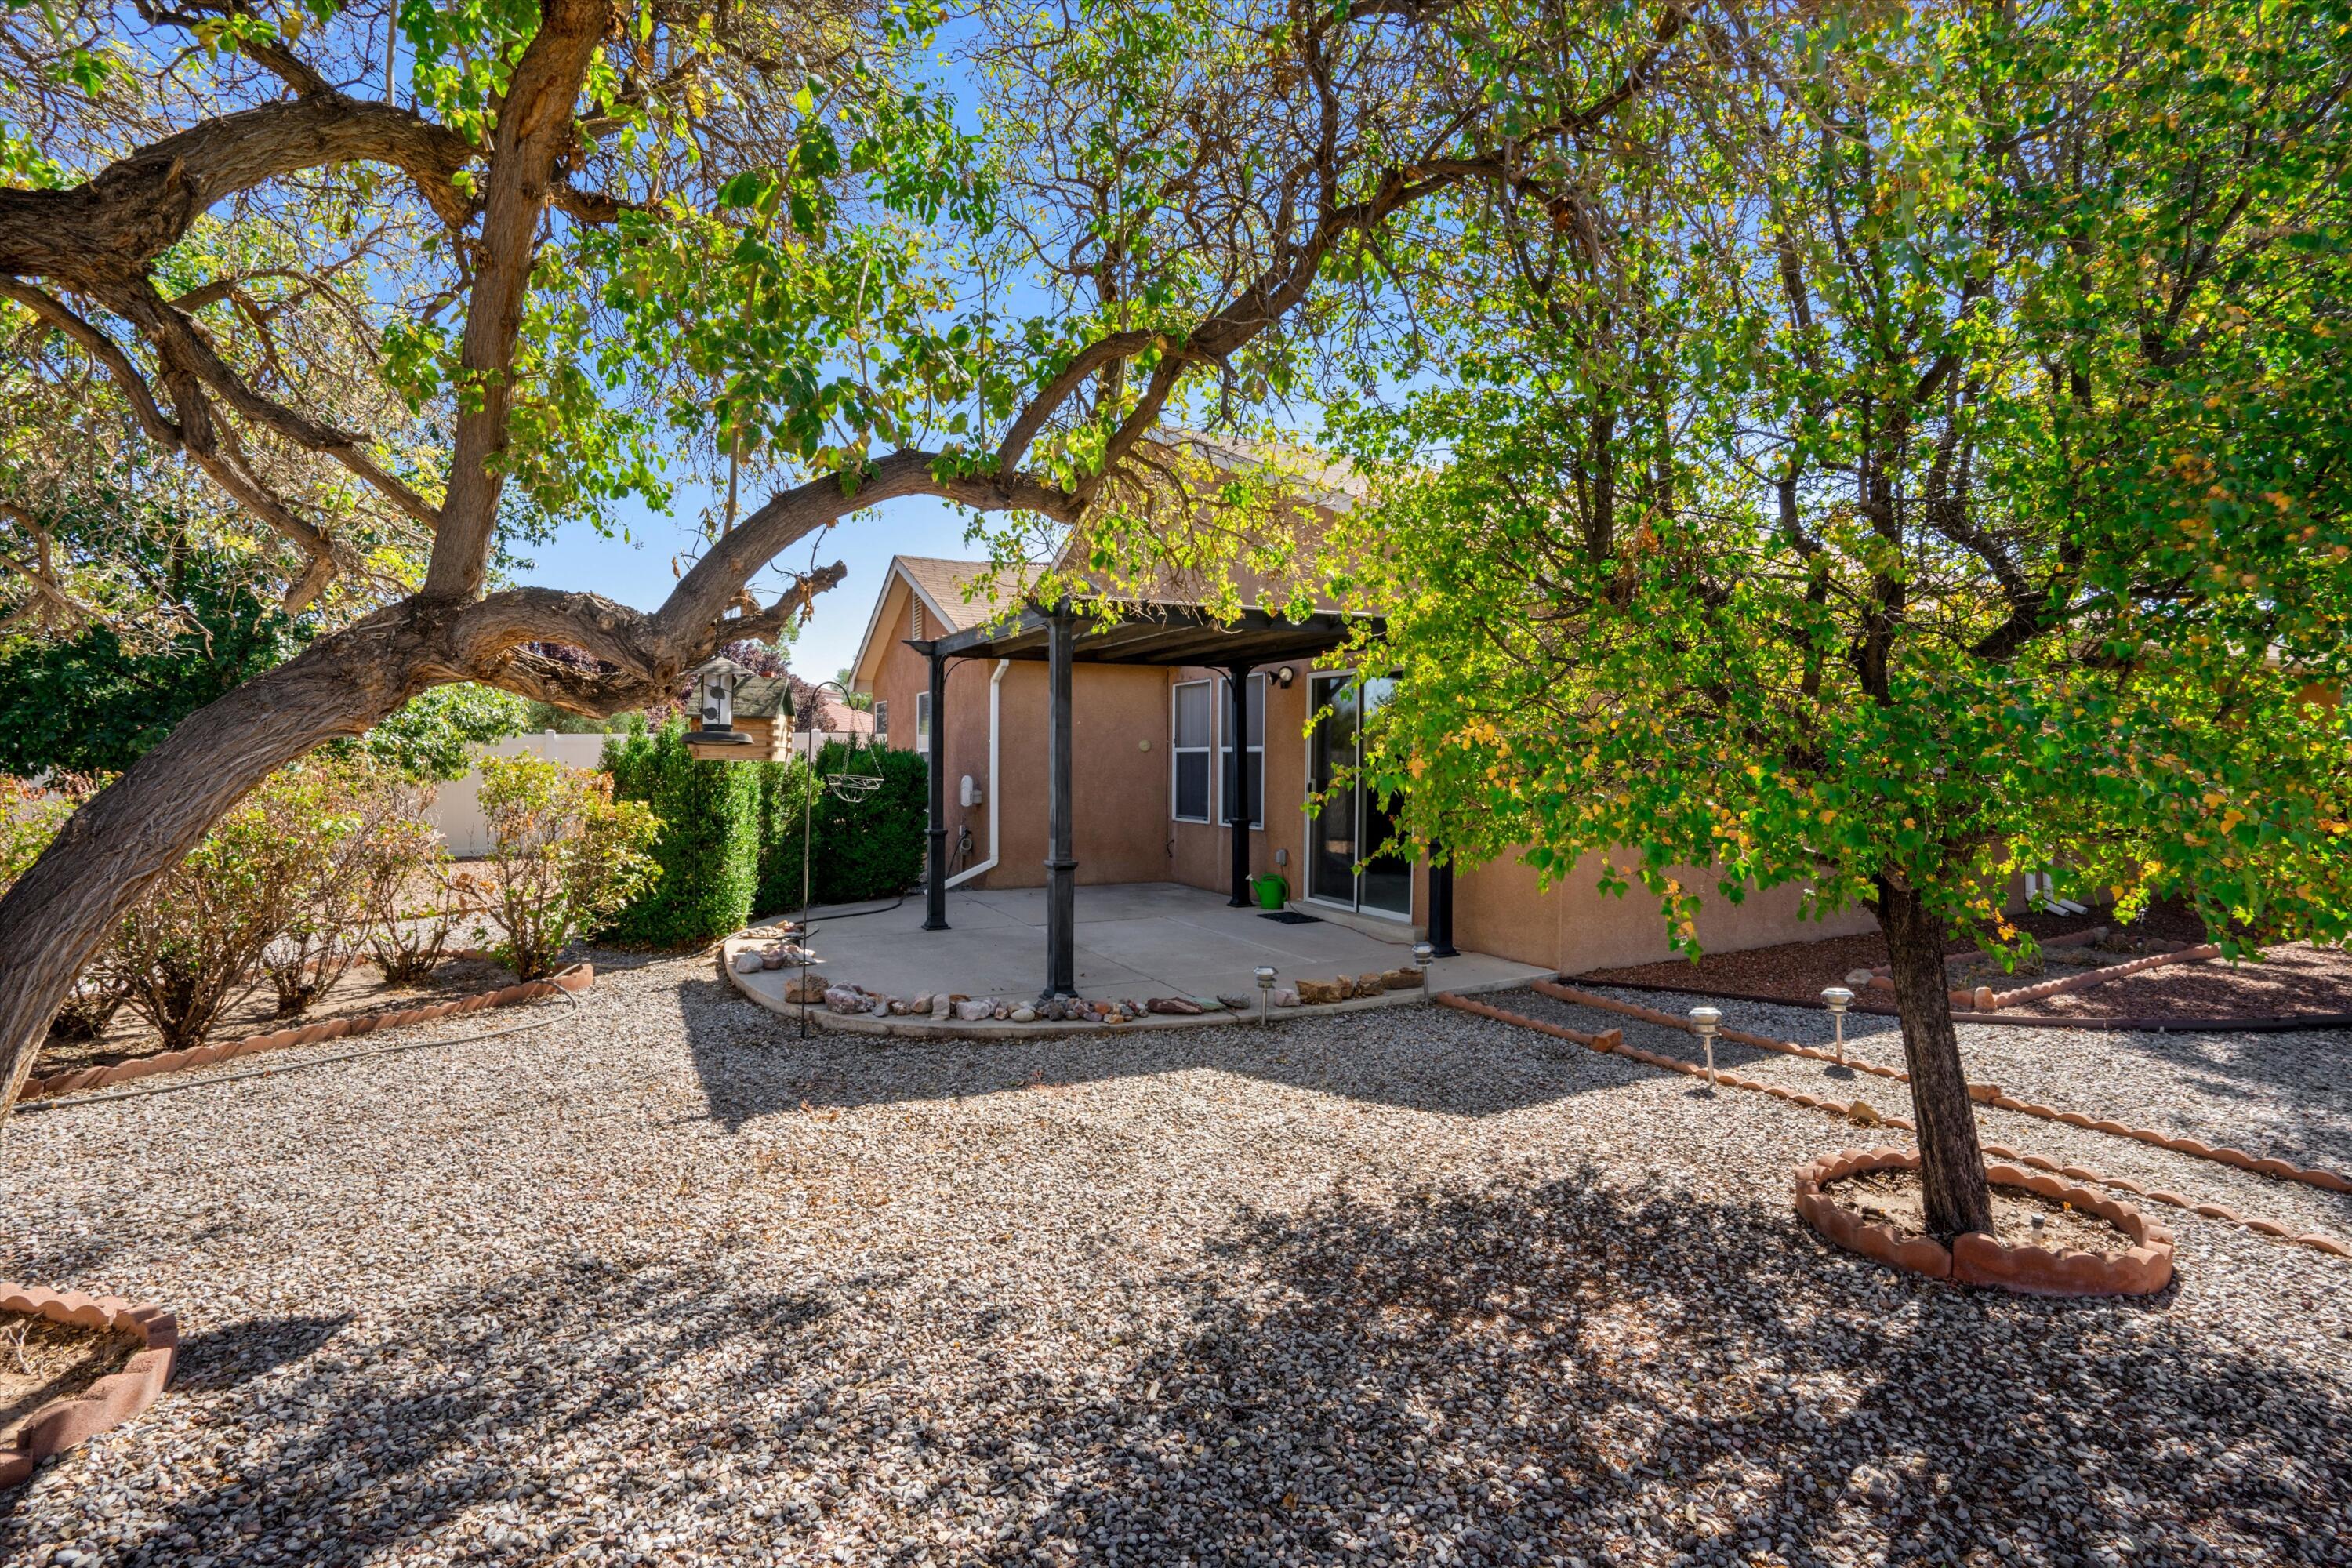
(103, 859)
(1951, 1165)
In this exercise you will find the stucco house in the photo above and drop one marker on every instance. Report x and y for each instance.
(1159, 772)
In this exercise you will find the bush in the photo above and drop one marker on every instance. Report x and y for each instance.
(564, 856)
(709, 843)
(349, 804)
(432, 734)
(194, 945)
(871, 848)
(410, 902)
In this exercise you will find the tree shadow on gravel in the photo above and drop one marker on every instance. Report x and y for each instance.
(753, 1063)
(225, 1357)
(1487, 1376)
(378, 1440)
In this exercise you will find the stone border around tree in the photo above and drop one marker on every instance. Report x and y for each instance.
(1976, 1258)
(576, 978)
(111, 1400)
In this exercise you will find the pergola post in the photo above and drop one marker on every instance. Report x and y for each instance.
(1237, 797)
(1060, 863)
(935, 889)
(1440, 908)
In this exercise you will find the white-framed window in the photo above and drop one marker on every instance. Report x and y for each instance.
(1251, 790)
(1192, 730)
(923, 721)
(881, 722)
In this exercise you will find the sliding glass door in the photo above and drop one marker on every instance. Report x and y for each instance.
(1352, 822)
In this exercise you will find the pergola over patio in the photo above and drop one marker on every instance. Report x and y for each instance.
(1140, 634)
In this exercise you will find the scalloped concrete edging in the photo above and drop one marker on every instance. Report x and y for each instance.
(1976, 1258)
(111, 1400)
(1988, 1094)
(576, 978)
(1845, 1110)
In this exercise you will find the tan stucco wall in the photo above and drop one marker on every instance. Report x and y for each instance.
(1124, 833)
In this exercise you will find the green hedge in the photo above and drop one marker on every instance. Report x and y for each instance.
(872, 848)
(730, 842)
(710, 842)
(784, 789)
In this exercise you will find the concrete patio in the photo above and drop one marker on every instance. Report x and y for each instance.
(1133, 940)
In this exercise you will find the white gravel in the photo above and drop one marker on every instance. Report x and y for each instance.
(662, 1284)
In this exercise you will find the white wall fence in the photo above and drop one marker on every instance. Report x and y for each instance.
(457, 808)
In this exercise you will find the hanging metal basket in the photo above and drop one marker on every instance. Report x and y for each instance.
(852, 786)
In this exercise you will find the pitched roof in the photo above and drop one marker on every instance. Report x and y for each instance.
(942, 583)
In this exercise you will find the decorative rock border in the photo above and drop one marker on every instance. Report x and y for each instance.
(1985, 1093)
(920, 1025)
(109, 1401)
(1976, 1258)
(1612, 1043)
(576, 978)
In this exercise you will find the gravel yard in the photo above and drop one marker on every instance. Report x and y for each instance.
(659, 1283)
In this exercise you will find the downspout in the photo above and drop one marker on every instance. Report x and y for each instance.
(995, 685)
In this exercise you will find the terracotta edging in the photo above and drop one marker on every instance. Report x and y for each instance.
(1976, 1258)
(576, 978)
(1987, 1094)
(1607, 1041)
(2274, 1025)
(1983, 1093)
(111, 1400)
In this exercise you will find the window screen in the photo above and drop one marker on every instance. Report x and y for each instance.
(1192, 730)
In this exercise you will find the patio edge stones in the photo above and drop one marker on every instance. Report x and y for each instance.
(114, 1399)
(912, 1026)
(1976, 1258)
(576, 978)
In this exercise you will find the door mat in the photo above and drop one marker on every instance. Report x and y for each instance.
(1291, 918)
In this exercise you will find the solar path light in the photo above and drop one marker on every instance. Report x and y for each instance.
(1264, 974)
(1705, 1019)
(1839, 998)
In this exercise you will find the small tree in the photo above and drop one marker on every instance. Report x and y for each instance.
(564, 854)
(1910, 477)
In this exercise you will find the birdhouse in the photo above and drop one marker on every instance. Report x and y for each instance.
(715, 734)
(757, 710)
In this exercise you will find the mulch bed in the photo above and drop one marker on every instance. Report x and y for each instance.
(362, 991)
(41, 1361)
(2295, 980)
(1896, 1199)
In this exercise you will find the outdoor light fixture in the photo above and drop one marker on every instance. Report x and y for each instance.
(1284, 676)
(1838, 997)
(1422, 953)
(1705, 1019)
(1264, 972)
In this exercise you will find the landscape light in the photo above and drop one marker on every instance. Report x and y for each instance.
(1705, 1019)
